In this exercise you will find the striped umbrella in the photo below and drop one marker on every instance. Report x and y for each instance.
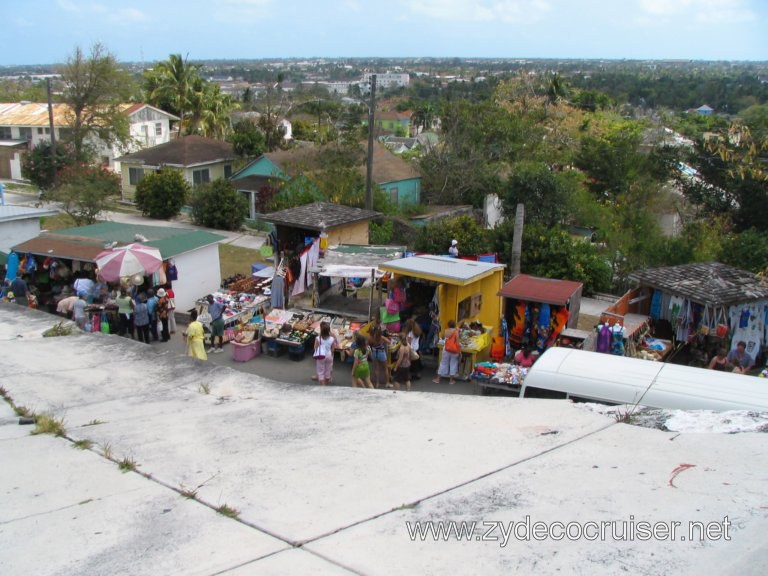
(128, 260)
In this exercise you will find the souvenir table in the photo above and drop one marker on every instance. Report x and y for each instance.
(475, 346)
(291, 331)
(239, 310)
(507, 377)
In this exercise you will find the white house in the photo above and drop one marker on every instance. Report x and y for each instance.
(29, 122)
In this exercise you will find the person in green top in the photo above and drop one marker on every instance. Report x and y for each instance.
(125, 310)
(361, 370)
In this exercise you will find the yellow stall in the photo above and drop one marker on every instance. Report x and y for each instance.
(466, 291)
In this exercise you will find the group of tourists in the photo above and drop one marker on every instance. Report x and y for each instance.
(373, 364)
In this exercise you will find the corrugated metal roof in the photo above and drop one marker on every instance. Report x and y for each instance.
(10, 213)
(441, 269)
(536, 289)
(319, 216)
(85, 242)
(36, 113)
(710, 283)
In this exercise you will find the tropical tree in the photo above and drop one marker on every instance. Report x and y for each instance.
(547, 194)
(162, 194)
(95, 88)
(247, 140)
(211, 111)
(435, 237)
(84, 191)
(171, 84)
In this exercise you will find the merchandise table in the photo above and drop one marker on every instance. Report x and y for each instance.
(498, 376)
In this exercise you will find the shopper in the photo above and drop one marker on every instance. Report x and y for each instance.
(449, 363)
(216, 310)
(78, 310)
(152, 307)
(194, 336)
(162, 313)
(325, 345)
(402, 367)
(361, 370)
(171, 309)
(413, 330)
(125, 311)
(380, 354)
(141, 318)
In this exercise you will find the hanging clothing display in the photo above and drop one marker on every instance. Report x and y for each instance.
(278, 291)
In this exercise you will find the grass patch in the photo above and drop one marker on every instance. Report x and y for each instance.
(228, 511)
(7, 395)
(59, 329)
(127, 464)
(57, 222)
(94, 422)
(23, 411)
(106, 450)
(83, 444)
(237, 260)
(49, 424)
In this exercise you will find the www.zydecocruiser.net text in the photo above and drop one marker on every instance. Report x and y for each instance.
(527, 530)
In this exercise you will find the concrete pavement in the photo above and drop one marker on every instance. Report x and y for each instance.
(327, 480)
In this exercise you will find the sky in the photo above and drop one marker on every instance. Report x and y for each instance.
(47, 31)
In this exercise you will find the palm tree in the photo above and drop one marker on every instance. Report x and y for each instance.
(173, 81)
(216, 108)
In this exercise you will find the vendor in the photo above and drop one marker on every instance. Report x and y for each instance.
(524, 358)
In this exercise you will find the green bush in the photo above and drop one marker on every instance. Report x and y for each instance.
(162, 194)
(381, 233)
(435, 238)
(219, 205)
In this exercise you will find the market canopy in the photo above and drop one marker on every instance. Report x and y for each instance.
(441, 269)
(356, 261)
(712, 283)
(544, 290)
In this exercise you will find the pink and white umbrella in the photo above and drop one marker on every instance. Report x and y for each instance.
(128, 260)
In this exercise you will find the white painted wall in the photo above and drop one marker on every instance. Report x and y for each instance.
(493, 211)
(199, 275)
(16, 166)
(18, 231)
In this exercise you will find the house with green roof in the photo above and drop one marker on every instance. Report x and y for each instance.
(392, 174)
(195, 253)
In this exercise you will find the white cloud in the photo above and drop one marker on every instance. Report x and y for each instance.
(68, 5)
(130, 15)
(507, 11)
(702, 11)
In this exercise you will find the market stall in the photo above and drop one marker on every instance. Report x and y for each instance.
(498, 376)
(445, 289)
(703, 307)
(537, 309)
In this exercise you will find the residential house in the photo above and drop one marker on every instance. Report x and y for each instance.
(385, 81)
(342, 224)
(397, 123)
(199, 159)
(395, 176)
(28, 122)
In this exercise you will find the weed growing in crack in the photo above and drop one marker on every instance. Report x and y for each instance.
(49, 424)
(83, 444)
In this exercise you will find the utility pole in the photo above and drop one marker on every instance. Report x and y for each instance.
(517, 240)
(371, 125)
(53, 132)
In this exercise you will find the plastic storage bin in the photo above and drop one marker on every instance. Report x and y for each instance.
(245, 352)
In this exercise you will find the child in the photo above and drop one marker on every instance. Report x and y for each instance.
(402, 368)
(325, 344)
(361, 370)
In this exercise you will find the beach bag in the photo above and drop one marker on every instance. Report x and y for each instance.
(452, 344)
(722, 326)
(704, 324)
(414, 355)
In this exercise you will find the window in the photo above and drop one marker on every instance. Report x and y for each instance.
(5, 133)
(227, 170)
(393, 195)
(158, 128)
(135, 175)
(39, 131)
(200, 176)
(25, 134)
(105, 160)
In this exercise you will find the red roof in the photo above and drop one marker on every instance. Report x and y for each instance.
(544, 290)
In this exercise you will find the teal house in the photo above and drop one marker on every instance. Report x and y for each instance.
(392, 174)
